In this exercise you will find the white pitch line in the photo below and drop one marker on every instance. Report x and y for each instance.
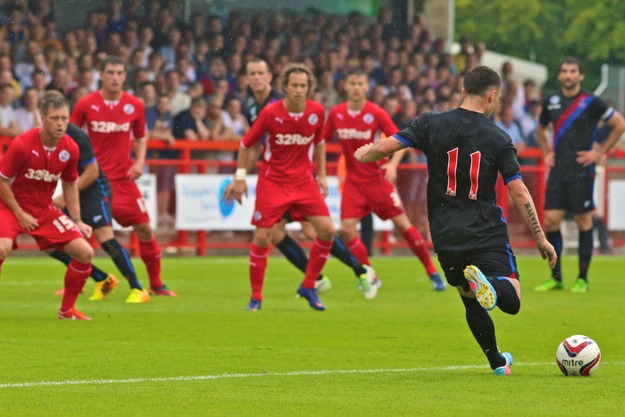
(268, 374)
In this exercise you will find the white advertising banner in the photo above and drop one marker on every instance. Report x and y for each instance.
(616, 202)
(147, 186)
(199, 205)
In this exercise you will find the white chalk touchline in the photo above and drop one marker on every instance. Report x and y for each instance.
(266, 374)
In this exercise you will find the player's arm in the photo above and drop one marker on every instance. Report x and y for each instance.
(319, 155)
(70, 191)
(88, 176)
(372, 152)
(27, 221)
(389, 129)
(140, 149)
(525, 207)
(594, 155)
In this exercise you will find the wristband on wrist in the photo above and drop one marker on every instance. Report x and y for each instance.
(240, 174)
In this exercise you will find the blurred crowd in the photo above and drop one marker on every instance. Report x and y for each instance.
(191, 75)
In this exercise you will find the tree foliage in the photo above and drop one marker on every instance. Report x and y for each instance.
(546, 31)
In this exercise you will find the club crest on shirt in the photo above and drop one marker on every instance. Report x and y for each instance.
(129, 109)
(313, 119)
(554, 99)
(368, 118)
(64, 156)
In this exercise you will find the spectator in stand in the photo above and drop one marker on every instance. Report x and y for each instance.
(511, 127)
(38, 81)
(155, 65)
(27, 114)
(191, 124)
(60, 81)
(160, 122)
(8, 125)
(329, 95)
(186, 72)
(6, 77)
(147, 94)
(233, 118)
(179, 101)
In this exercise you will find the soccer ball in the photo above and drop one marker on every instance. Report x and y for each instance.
(578, 355)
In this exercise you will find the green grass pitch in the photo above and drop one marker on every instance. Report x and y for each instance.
(406, 353)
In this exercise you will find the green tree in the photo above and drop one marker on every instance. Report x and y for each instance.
(547, 31)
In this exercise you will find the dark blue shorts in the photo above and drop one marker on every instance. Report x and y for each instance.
(493, 262)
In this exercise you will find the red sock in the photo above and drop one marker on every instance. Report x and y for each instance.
(258, 265)
(417, 246)
(359, 250)
(1, 262)
(319, 253)
(151, 254)
(75, 278)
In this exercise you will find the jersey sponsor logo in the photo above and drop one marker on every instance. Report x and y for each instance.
(293, 139)
(368, 118)
(129, 109)
(64, 156)
(351, 133)
(41, 175)
(313, 119)
(109, 127)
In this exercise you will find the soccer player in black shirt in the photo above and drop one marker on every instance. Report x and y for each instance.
(573, 115)
(95, 209)
(466, 152)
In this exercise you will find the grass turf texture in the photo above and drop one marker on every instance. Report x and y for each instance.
(410, 350)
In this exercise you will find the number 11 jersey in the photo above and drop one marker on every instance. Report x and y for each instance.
(465, 153)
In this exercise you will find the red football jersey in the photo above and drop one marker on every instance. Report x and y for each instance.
(356, 131)
(288, 148)
(34, 171)
(110, 130)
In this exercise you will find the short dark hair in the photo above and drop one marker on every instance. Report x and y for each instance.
(257, 60)
(112, 60)
(52, 99)
(478, 80)
(571, 60)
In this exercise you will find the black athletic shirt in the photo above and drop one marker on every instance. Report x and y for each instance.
(465, 153)
(574, 121)
(252, 108)
(100, 187)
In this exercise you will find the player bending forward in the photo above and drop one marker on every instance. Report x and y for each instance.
(29, 172)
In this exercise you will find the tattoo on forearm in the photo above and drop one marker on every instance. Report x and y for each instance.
(531, 215)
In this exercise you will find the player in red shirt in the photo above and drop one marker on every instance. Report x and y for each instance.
(285, 182)
(29, 172)
(112, 117)
(369, 187)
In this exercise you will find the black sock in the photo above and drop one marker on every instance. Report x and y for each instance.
(120, 257)
(97, 274)
(366, 232)
(507, 298)
(585, 252)
(294, 253)
(555, 238)
(602, 234)
(483, 330)
(340, 252)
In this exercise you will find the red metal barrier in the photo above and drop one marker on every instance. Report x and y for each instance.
(411, 182)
